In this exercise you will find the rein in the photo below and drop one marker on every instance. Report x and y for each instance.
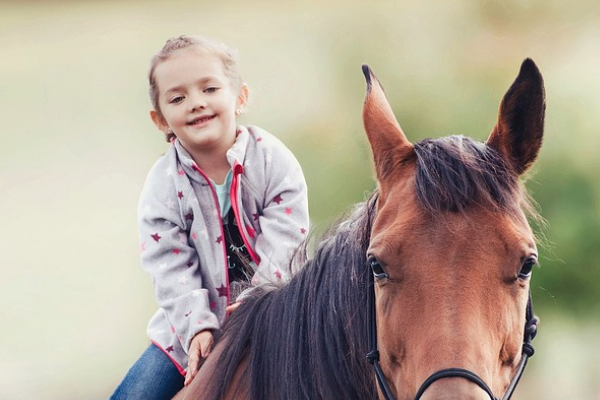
(373, 354)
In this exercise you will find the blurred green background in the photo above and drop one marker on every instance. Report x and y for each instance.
(77, 143)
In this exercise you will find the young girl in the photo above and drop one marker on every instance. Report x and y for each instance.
(226, 203)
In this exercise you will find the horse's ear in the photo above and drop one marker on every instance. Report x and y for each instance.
(520, 128)
(388, 143)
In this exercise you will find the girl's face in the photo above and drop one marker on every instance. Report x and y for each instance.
(197, 102)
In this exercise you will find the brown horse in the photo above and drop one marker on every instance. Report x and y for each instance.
(430, 277)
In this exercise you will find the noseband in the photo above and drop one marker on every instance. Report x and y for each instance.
(373, 355)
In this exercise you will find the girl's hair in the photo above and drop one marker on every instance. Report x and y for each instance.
(227, 55)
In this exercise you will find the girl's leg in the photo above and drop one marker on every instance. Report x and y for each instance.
(152, 377)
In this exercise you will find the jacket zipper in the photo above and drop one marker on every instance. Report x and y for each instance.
(238, 169)
(216, 200)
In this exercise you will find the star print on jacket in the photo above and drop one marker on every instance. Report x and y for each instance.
(185, 247)
(222, 291)
(278, 199)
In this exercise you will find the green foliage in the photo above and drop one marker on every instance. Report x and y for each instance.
(570, 273)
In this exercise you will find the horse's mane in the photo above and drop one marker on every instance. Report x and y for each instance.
(307, 339)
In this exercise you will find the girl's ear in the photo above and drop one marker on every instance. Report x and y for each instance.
(243, 96)
(159, 121)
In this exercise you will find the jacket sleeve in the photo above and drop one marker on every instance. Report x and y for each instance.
(284, 219)
(171, 261)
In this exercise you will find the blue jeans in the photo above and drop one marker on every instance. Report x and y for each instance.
(152, 377)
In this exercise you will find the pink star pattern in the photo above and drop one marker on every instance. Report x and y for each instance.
(222, 291)
(186, 255)
(278, 199)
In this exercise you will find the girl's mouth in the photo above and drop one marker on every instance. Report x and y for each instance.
(201, 120)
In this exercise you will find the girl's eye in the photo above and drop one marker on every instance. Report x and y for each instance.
(176, 100)
(527, 267)
(211, 89)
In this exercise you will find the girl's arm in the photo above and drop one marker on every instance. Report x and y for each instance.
(284, 220)
(171, 262)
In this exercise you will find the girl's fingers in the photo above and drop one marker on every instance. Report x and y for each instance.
(232, 307)
(193, 362)
(199, 350)
(191, 371)
(206, 347)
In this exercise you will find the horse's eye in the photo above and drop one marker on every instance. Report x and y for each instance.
(527, 267)
(377, 268)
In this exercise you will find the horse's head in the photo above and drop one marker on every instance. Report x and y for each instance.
(451, 248)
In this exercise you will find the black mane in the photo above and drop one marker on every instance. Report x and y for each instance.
(307, 340)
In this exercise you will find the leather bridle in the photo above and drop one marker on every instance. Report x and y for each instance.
(373, 355)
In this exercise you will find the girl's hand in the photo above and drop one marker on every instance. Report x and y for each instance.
(232, 307)
(199, 349)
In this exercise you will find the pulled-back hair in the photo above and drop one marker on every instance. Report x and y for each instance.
(227, 55)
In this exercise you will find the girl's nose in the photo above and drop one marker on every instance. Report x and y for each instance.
(197, 102)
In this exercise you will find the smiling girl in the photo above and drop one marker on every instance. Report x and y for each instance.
(226, 204)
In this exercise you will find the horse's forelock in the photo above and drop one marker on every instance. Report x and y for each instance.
(455, 172)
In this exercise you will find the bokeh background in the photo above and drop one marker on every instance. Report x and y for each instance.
(77, 142)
